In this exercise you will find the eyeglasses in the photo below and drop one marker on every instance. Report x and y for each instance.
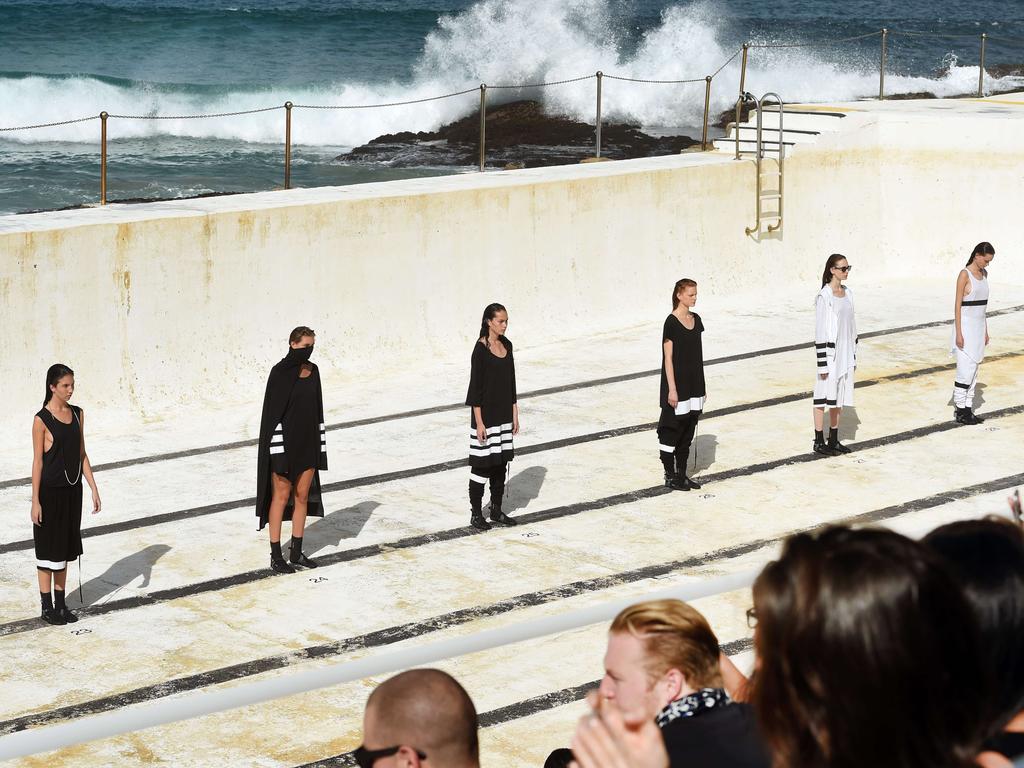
(751, 617)
(365, 758)
(847, 268)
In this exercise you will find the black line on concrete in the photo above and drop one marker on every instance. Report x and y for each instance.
(527, 707)
(446, 466)
(416, 630)
(533, 393)
(419, 540)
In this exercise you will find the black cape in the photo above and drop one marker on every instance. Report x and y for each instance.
(279, 390)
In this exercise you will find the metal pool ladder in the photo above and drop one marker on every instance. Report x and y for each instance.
(764, 171)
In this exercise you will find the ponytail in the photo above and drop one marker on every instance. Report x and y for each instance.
(55, 373)
(985, 249)
(680, 285)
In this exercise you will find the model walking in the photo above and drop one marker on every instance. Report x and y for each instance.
(835, 347)
(682, 385)
(494, 416)
(970, 330)
(292, 449)
(59, 462)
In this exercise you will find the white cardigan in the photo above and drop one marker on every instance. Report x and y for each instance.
(826, 330)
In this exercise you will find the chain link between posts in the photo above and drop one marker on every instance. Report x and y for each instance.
(50, 125)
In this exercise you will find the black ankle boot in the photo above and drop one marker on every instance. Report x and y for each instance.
(833, 443)
(499, 517)
(297, 557)
(53, 616)
(821, 447)
(60, 607)
(277, 562)
(476, 516)
(965, 416)
(675, 482)
(977, 419)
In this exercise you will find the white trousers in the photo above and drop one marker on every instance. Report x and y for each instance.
(966, 379)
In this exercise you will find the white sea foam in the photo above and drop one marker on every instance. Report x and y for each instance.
(497, 42)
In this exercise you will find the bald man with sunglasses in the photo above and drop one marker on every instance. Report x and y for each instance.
(422, 717)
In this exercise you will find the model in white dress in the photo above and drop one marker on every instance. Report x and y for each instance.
(970, 331)
(835, 348)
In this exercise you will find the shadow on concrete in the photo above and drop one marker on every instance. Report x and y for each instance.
(979, 396)
(849, 421)
(702, 453)
(122, 573)
(335, 527)
(524, 488)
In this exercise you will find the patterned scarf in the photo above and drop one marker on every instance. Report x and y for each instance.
(693, 704)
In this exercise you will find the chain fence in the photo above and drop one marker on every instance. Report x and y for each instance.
(482, 89)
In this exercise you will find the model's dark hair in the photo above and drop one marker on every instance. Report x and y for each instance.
(832, 260)
(297, 333)
(55, 373)
(680, 285)
(987, 558)
(985, 249)
(867, 655)
(489, 312)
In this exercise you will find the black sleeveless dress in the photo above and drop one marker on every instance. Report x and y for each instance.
(59, 538)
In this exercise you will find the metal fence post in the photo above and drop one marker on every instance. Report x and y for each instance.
(483, 122)
(743, 69)
(707, 106)
(981, 67)
(103, 158)
(287, 145)
(881, 68)
(597, 137)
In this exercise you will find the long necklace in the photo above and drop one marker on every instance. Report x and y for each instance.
(74, 417)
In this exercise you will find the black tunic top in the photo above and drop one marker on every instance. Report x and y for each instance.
(62, 464)
(492, 384)
(687, 359)
(301, 427)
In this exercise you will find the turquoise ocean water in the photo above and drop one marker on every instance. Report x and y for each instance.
(62, 60)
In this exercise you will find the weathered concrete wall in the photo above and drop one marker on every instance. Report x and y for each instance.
(161, 305)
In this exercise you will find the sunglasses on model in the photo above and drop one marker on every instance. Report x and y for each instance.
(847, 268)
(365, 758)
(751, 618)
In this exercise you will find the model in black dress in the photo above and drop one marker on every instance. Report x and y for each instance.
(59, 462)
(494, 416)
(292, 450)
(682, 385)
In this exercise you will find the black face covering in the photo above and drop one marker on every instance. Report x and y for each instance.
(298, 356)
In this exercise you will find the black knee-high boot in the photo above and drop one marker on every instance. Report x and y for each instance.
(476, 501)
(497, 493)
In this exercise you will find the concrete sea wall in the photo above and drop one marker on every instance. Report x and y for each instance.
(187, 302)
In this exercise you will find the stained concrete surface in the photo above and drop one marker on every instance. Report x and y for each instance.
(188, 603)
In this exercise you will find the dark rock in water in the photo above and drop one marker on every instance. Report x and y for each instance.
(519, 134)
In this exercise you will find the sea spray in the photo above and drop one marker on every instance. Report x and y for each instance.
(493, 41)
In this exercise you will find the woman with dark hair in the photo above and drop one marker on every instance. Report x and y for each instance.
(987, 559)
(867, 655)
(682, 385)
(970, 330)
(59, 462)
(292, 449)
(494, 416)
(835, 347)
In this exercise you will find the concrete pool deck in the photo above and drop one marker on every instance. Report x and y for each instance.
(172, 314)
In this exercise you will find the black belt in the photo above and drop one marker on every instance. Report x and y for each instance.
(978, 303)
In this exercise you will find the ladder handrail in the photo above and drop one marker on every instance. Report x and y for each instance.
(759, 105)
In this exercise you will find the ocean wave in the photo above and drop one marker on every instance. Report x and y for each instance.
(493, 41)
